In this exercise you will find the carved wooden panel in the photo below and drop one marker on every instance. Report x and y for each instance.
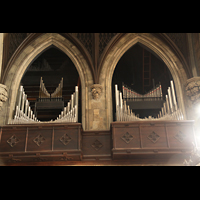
(66, 139)
(48, 142)
(13, 140)
(96, 143)
(180, 136)
(39, 139)
(153, 136)
(131, 139)
(126, 137)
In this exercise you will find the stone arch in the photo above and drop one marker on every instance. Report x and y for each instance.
(155, 44)
(26, 57)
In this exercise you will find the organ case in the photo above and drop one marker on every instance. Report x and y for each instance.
(141, 138)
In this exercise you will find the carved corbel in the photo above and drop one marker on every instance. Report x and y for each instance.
(192, 87)
(3, 95)
(96, 90)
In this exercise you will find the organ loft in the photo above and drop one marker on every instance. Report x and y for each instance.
(99, 99)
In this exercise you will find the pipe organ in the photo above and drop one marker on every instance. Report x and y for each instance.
(129, 99)
(70, 112)
(43, 93)
(23, 113)
(153, 94)
(58, 91)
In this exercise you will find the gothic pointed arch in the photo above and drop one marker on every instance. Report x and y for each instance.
(125, 42)
(32, 36)
(178, 47)
(26, 54)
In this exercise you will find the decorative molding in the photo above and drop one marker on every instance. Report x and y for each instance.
(127, 137)
(3, 94)
(65, 139)
(192, 87)
(96, 90)
(154, 137)
(13, 141)
(39, 140)
(65, 157)
(97, 145)
(180, 136)
(39, 159)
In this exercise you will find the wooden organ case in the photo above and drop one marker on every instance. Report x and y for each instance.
(26, 138)
(164, 139)
(166, 136)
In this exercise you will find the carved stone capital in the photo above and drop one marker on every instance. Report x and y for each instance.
(3, 94)
(96, 90)
(192, 87)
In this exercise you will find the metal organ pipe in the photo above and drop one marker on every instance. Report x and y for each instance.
(24, 114)
(169, 110)
(170, 99)
(70, 113)
(173, 95)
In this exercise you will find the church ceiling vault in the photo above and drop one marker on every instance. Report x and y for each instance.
(94, 46)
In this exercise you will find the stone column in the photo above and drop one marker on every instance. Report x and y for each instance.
(193, 90)
(3, 95)
(192, 54)
(1, 52)
(192, 87)
(97, 116)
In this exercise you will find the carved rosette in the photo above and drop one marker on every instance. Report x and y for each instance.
(3, 95)
(96, 90)
(193, 89)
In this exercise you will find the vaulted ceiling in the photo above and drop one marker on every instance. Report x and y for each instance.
(96, 45)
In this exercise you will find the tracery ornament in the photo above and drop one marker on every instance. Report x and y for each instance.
(13, 141)
(97, 145)
(193, 89)
(3, 94)
(65, 139)
(127, 137)
(154, 137)
(96, 90)
(39, 140)
(180, 136)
